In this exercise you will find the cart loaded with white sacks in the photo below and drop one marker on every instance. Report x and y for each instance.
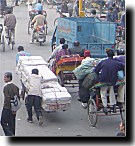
(54, 97)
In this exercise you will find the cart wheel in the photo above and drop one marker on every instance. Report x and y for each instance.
(29, 27)
(3, 43)
(92, 112)
(23, 94)
(60, 79)
(23, 90)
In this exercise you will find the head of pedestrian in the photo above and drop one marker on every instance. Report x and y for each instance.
(110, 53)
(122, 126)
(39, 1)
(35, 71)
(9, 11)
(111, 9)
(121, 51)
(62, 41)
(76, 43)
(93, 12)
(40, 12)
(65, 46)
(113, 4)
(7, 77)
(20, 48)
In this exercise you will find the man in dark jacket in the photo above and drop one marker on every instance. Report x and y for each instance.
(110, 15)
(8, 117)
(107, 69)
(77, 49)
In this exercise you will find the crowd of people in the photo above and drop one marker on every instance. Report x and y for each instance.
(105, 69)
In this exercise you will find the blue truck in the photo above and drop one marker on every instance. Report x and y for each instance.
(92, 33)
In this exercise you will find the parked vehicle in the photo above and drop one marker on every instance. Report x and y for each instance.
(96, 35)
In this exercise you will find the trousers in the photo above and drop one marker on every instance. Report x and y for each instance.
(8, 122)
(103, 93)
(33, 100)
(112, 98)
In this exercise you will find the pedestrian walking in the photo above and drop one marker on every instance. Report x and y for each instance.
(34, 96)
(8, 117)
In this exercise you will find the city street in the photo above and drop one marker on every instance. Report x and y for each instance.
(73, 122)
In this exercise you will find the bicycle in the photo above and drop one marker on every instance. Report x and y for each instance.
(2, 41)
(10, 38)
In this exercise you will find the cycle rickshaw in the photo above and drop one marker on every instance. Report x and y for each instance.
(63, 69)
(32, 14)
(95, 105)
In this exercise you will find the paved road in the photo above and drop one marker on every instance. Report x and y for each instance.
(73, 122)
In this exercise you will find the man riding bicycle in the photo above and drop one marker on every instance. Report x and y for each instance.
(10, 23)
(38, 6)
(38, 20)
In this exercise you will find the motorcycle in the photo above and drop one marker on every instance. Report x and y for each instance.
(39, 35)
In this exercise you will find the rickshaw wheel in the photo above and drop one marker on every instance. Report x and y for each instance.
(92, 112)
(60, 79)
(122, 113)
(3, 43)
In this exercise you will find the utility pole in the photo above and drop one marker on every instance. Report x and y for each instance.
(81, 12)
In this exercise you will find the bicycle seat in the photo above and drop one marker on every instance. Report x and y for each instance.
(99, 85)
(120, 82)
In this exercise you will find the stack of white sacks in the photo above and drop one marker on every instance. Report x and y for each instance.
(54, 96)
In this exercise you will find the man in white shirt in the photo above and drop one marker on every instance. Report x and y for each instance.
(58, 48)
(34, 96)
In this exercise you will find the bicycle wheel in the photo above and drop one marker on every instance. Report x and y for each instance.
(50, 4)
(12, 45)
(29, 27)
(3, 43)
(46, 28)
(92, 112)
